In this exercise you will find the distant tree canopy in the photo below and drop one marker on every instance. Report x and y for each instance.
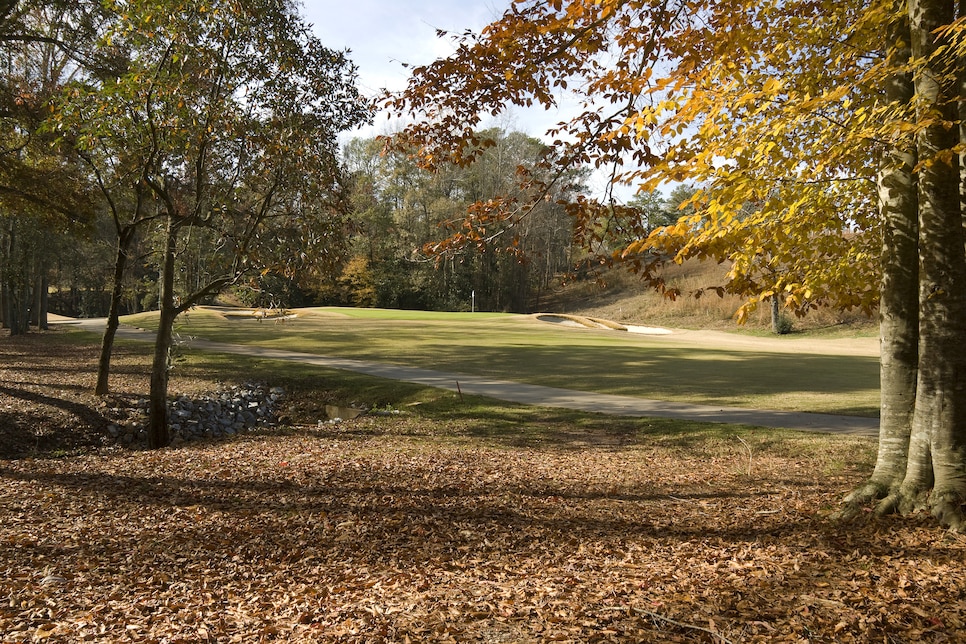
(74, 162)
(44, 196)
(403, 211)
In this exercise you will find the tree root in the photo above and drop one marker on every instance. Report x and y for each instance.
(855, 503)
(947, 507)
(888, 505)
(909, 499)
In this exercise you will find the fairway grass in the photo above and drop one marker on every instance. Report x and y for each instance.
(757, 374)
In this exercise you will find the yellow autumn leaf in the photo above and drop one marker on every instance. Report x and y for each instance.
(772, 85)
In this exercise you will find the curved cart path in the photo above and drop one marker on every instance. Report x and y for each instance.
(535, 394)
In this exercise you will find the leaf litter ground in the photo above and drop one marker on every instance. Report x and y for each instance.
(410, 528)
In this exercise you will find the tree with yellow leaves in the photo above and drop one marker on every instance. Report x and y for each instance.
(826, 141)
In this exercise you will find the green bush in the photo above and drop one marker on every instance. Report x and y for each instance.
(784, 325)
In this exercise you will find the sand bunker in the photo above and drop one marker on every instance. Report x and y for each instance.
(579, 321)
(649, 330)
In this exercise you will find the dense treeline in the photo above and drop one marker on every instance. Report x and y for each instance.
(91, 173)
(401, 211)
(397, 212)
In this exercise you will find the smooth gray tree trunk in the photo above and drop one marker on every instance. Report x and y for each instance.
(936, 471)
(898, 295)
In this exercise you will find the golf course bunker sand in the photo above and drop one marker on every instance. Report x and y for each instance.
(648, 330)
(579, 321)
(273, 315)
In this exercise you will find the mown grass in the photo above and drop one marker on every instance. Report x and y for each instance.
(399, 314)
(517, 348)
(439, 416)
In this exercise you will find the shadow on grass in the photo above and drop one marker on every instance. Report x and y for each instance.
(551, 428)
(605, 363)
(702, 376)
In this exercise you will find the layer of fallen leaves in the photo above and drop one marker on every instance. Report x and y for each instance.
(395, 529)
(47, 401)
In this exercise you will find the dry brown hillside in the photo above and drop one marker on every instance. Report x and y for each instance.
(623, 297)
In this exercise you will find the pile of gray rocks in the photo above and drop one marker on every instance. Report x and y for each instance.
(227, 412)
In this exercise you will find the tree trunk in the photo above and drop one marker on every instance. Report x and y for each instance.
(4, 284)
(158, 435)
(4, 304)
(39, 314)
(937, 455)
(15, 306)
(21, 303)
(898, 321)
(114, 313)
(898, 301)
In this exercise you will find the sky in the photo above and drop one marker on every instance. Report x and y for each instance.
(384, 34)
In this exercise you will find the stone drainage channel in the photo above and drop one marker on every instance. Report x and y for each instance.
(225, 413)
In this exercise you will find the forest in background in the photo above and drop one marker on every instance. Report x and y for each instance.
(398, 211)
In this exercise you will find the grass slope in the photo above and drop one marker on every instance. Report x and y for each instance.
(621, 296)
(772, 373)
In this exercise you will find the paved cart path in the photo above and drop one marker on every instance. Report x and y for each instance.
(534, 394)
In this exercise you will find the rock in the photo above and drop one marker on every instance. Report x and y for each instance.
(338, 413)
(228, 411)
